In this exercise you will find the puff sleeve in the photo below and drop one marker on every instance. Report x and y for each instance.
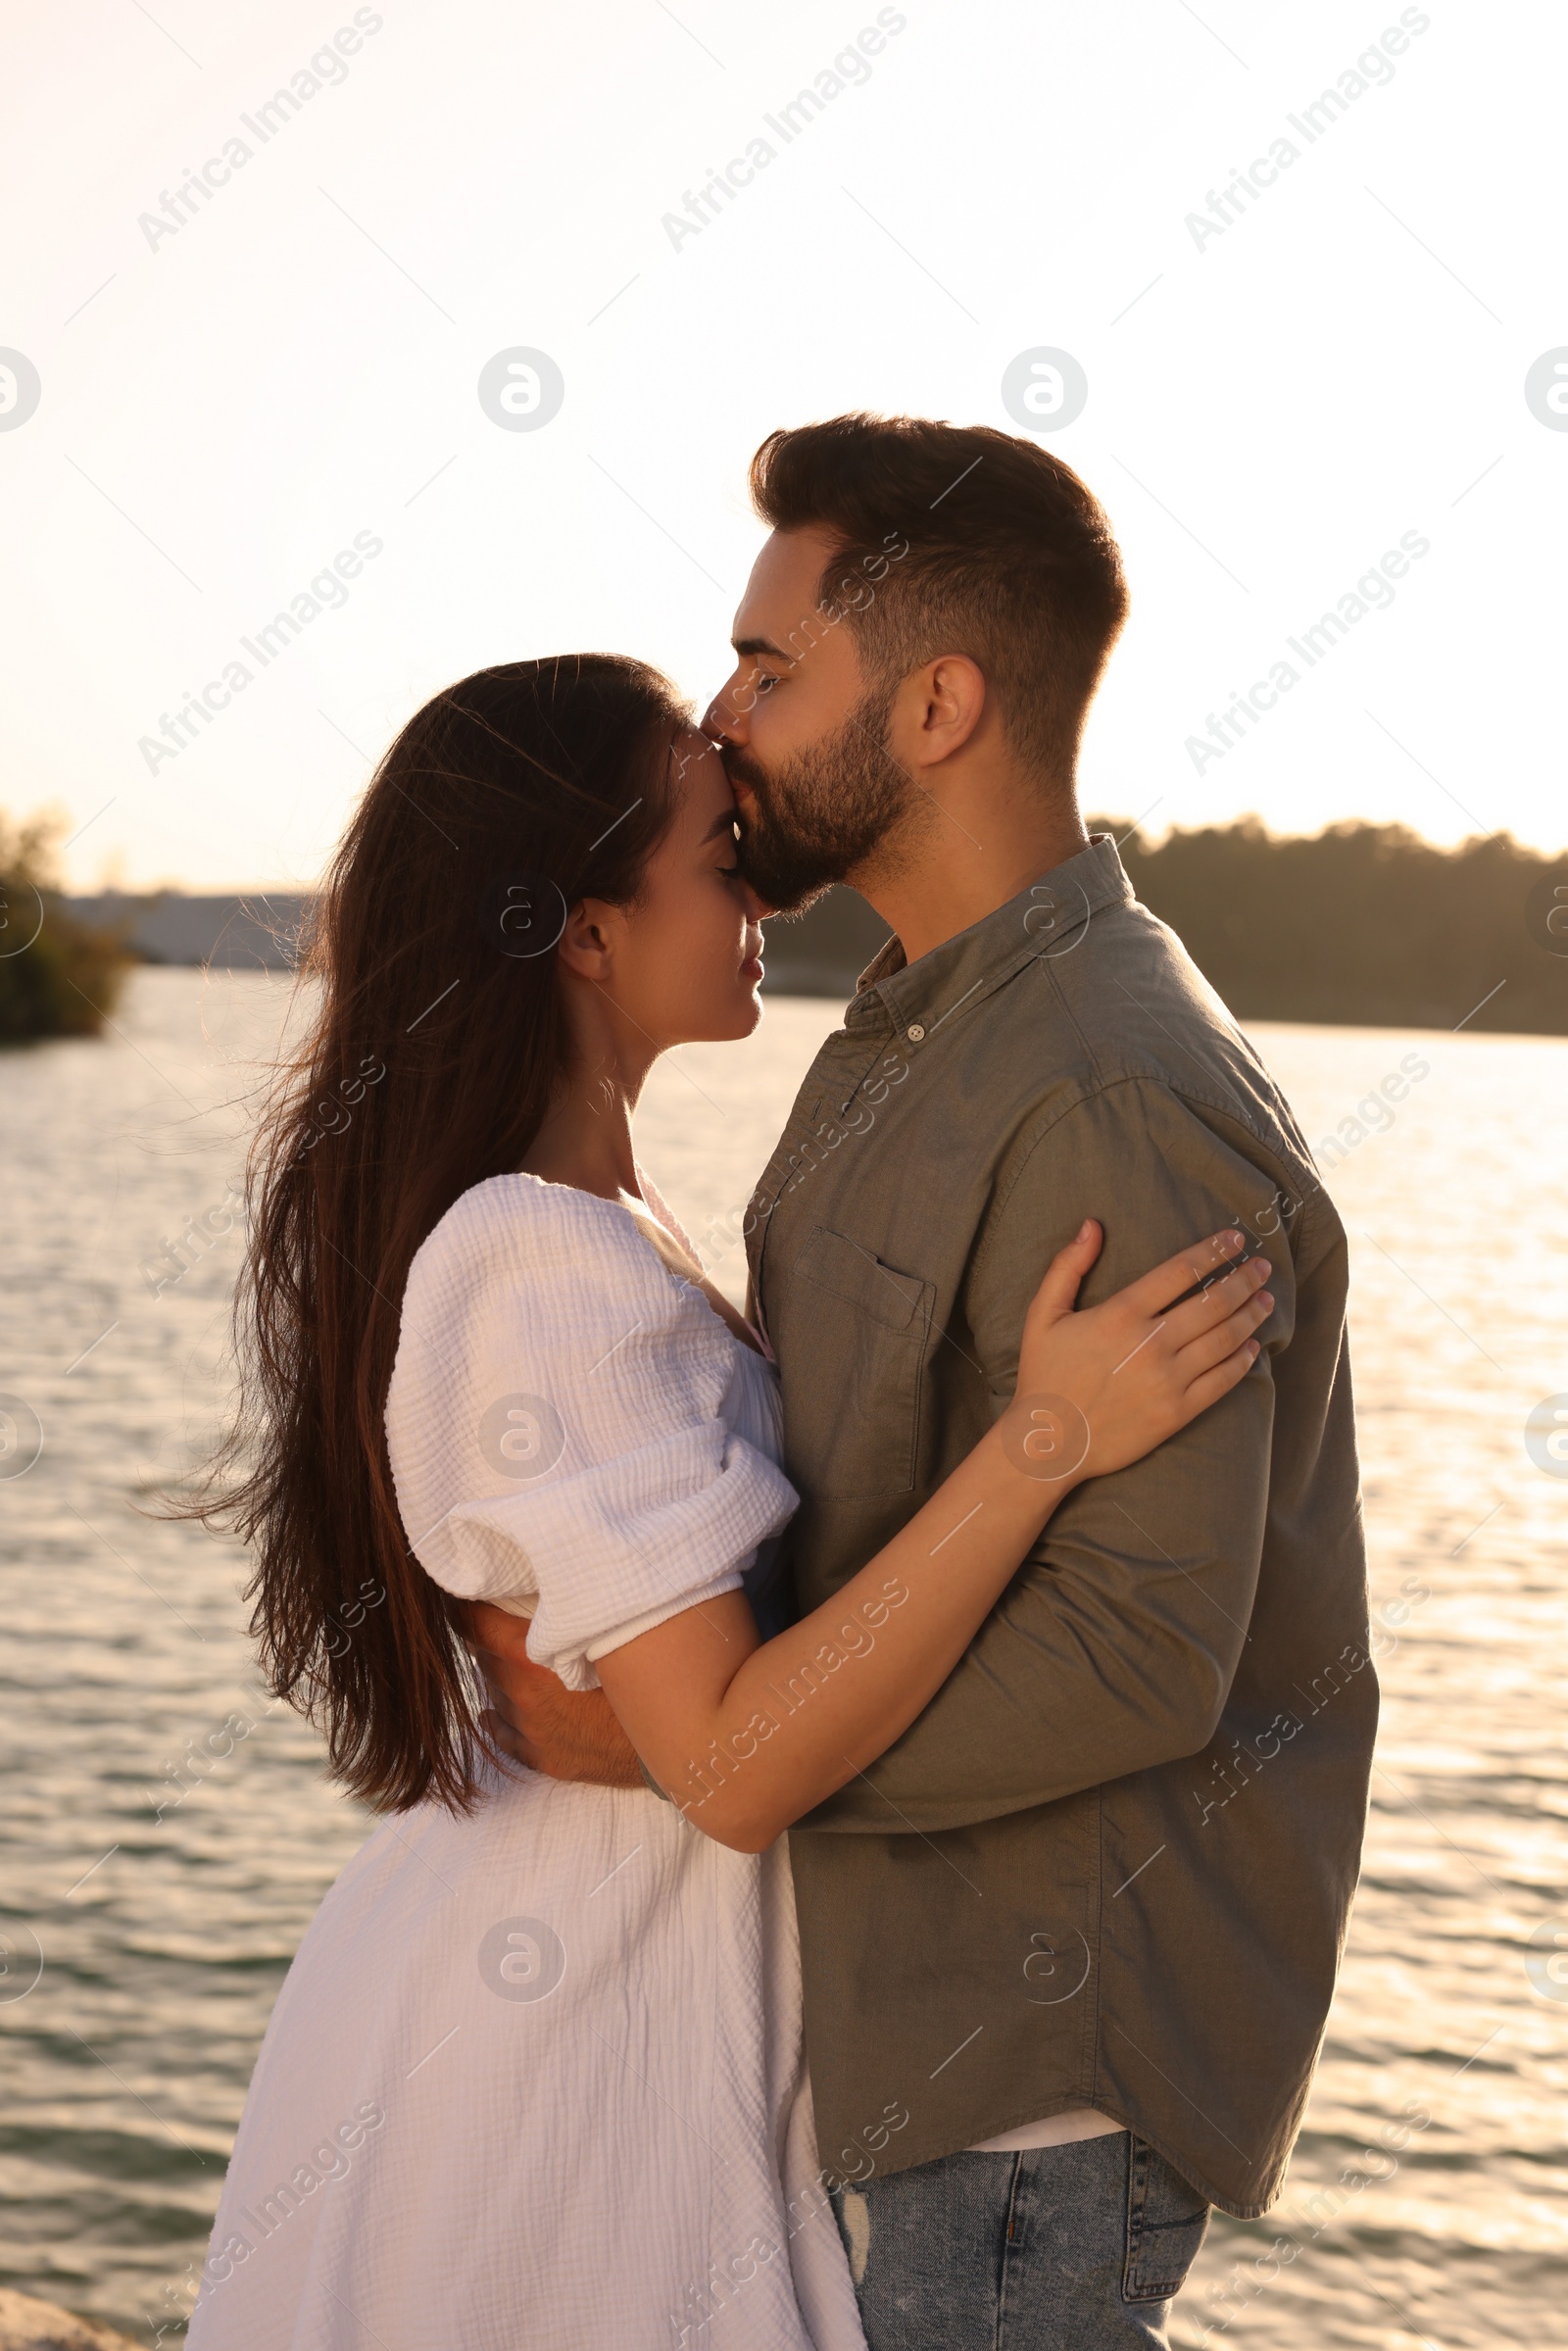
(556, 1424)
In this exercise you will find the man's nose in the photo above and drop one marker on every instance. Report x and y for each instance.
(723, 720)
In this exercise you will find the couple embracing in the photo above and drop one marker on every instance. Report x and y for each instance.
(1002, 1553)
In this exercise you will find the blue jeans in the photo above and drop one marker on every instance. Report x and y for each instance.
(1075, 2248)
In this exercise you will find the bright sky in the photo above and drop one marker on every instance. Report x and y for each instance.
(1275, 399)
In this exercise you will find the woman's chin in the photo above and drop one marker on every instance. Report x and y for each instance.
(742, 1017)
(749, 1010)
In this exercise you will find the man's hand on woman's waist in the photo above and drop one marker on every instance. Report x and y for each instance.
(532, 1717)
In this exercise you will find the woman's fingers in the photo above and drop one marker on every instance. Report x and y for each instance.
(1154, 1291)
(1218, 1344)
(1060, 1285)
(1196, 1316)
(1210, 1386)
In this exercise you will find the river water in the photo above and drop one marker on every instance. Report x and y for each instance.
(149, 1912)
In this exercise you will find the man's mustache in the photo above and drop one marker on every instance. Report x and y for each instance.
(741, 768)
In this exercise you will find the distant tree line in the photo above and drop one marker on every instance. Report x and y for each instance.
(59, 977)
(1367, 923)
(1363, 923)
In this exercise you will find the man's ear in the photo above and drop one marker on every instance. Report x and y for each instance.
(587, 943)
(947, 701)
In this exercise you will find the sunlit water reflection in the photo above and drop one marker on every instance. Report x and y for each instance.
(165, 1902)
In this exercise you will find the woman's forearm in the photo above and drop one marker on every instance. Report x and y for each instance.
(746, 1737)
(745, 1745)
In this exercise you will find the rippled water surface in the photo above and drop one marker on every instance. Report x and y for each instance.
(150, 1912)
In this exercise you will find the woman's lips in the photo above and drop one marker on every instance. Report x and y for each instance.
(752, 970)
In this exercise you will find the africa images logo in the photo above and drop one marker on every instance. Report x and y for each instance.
(850, 70)
(328, 68)
(328, 592)
(20, 389)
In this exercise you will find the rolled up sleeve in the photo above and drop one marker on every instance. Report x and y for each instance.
(1115, 1645)
(557, 1425)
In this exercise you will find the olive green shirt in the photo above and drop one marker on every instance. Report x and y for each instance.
(1110, 1864)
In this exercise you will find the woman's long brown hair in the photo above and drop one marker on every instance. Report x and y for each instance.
(438, 1042)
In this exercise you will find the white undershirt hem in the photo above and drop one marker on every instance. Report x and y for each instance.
(1057, 2131)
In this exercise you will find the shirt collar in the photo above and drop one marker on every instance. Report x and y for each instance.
(1048, 918)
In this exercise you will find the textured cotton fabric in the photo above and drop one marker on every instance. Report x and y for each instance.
(534, 2081)
(1111, 1862)
(667, 1478)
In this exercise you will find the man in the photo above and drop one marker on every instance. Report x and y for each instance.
(1068, 1949)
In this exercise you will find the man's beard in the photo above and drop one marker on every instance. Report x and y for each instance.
(822, 813)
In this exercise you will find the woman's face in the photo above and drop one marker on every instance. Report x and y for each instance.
(687, 957)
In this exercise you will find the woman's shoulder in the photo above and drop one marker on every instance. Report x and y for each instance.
(547, 1354)
(509, 1215)
(563, 1255)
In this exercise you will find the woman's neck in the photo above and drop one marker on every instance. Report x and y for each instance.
(586, 1136)
(586, 1139)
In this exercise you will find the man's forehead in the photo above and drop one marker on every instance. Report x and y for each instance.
(783, 582)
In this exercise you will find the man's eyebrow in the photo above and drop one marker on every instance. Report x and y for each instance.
(759, 645)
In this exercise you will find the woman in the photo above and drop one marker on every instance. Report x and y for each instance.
(535, 2077)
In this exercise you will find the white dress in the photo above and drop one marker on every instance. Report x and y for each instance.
(536, 2079)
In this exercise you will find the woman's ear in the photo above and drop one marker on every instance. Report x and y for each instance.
(587, 943)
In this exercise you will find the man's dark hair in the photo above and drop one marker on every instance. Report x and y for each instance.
(1010, 559)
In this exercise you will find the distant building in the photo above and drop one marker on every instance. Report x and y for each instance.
(822, 952)
(261, 929)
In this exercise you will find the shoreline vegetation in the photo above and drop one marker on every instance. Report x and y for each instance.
(1360, 925)
(59, 975)
(1366, 925)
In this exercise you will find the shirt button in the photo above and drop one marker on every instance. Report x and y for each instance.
(915, 1032)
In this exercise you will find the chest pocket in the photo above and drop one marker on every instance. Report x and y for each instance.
(869, 1345)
